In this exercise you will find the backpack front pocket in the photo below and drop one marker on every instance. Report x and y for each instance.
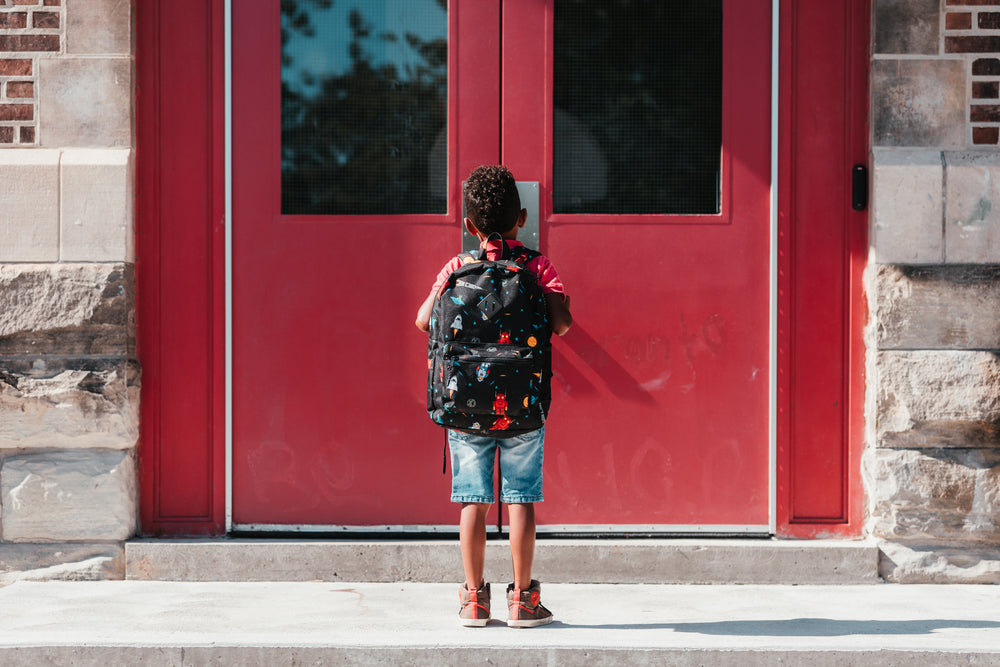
(490, 379)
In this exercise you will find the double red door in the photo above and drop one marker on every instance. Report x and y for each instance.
(660, 415)
(651, 189)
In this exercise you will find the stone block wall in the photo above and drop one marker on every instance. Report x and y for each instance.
(69, 376)
(932, 469)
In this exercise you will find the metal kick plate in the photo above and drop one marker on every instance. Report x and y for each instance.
(528, 235)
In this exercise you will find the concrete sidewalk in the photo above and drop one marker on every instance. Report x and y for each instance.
(174, 623)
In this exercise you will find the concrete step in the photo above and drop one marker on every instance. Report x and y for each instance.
(278, 623)
(657, 561)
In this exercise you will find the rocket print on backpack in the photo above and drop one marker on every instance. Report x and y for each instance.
(489, 352)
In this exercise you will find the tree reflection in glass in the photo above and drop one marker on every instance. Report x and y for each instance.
(364, 90)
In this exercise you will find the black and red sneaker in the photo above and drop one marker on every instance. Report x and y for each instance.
(475, 610)
(524, 607)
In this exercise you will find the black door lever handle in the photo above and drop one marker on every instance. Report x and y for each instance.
(859, 187)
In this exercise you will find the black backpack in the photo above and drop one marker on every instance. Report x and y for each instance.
(489, 350)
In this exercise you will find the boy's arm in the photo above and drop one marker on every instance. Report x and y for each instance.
(560, 319)
(423, 321)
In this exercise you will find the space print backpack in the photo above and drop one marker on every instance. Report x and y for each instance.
(489, 351)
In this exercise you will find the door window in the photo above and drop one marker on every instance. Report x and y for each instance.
(364, 90)
(637, 96)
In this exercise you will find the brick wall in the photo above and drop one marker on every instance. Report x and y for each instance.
(28, 29)
(973, 28)
(68, 370)
(933, 464)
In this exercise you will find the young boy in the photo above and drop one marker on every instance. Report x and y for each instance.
(494, 207)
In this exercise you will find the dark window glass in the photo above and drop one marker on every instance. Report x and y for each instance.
(637, 122)
(364, 90)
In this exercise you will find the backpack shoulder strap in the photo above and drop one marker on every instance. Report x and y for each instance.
(465, 258)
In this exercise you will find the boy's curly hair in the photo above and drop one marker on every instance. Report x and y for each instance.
(491, 199)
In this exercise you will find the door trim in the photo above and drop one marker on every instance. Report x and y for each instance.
(228, 133)
(772, 336)
(179, 76)
(802, 465)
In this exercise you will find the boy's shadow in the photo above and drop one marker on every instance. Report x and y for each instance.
(593, 355)
(795, 627)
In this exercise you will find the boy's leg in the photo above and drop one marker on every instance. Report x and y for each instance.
(472, 538)
(472, 460)
(521, 467)
(522, 542)
(524, 606)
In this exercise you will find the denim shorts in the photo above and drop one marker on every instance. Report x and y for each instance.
(472, 459)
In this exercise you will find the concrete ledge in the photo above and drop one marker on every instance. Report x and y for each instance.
(171, 623)
(432, 656)
(567, 561)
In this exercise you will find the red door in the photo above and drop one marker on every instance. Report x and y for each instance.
(337, 234)
(660, 418)
(654, 204)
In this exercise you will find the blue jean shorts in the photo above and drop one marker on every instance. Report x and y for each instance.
(472, 459)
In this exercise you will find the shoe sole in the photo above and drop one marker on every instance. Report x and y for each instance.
(473, 622)
(532, 623)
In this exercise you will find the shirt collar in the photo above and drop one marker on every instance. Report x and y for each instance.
(496, 249)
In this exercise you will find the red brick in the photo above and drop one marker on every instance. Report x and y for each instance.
(45, 19)
(29, 42)
(25, 2)
(986, 90)
(15, 67)
(956, 21)
(6, 135)
(985, 113)
(972, 44)
(985, 66)
(989, 20)
(51, 3)
(22, 89)
(17, 112)
(985, 135)
(27, 134)
(13, 20)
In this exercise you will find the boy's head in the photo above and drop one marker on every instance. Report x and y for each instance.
(491, 199)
